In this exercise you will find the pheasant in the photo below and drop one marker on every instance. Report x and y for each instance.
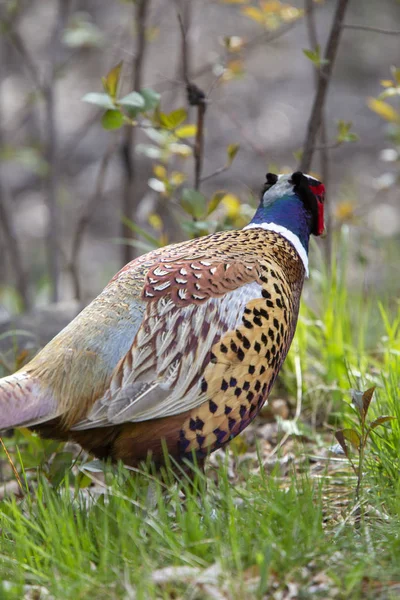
(183, 345)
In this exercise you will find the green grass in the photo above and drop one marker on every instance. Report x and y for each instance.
(244, 532)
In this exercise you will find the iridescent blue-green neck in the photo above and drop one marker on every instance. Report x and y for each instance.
(289, 212)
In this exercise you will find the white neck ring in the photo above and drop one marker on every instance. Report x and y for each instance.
(289, 235)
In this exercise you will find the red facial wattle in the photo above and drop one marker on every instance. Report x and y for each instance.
(319, 193)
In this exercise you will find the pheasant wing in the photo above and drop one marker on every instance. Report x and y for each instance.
(191, 304)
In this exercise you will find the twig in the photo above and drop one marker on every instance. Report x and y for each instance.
(195, 97)
(12, 245)
(84, 220)
(13, 248)
(263, 38)
(325, 73)
(324, 147)
(215, 173)
(372, 29)
(130, 196)
(53, 253)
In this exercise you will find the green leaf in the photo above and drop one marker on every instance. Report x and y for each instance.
(342, 441)
(193, 202)
(215, 201)
(134, 99)
(112, 119)
(381, 421)
(366, 398)
(102, 100)
(384, 110)
(151, 99)
(111, 81)
(231, 151)
(173, 119)
(344, 133)
(315, 56)
(353, 437)
(186, 131)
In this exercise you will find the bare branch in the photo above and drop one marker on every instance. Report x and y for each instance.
(372, 29)
(184, 24)
(130, 196)
(53, 253)
(18, 43)
(85, 217)
(325, 74)
(324, 147)
(215, 173)
(7, 224)
(263, 38)
(13, 248)
(195, 97)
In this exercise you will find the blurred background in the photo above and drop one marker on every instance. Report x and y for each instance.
(65, 179)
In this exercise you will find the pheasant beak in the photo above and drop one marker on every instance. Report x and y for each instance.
(319, 193)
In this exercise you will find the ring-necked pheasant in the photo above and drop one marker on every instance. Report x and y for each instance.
(184, 343)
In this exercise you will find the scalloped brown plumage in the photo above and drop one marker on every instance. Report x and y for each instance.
(182, 347)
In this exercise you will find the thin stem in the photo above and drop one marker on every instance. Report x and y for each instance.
(10, 236)
(324, 147)
(325, 74)
(196, 97)
(130, 197)
(48, 90)
(372, 29)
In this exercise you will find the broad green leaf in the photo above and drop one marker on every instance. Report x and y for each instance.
(174, 118)
(186, 131)
(352, 436)
(134, 99)
(342, 441)
(102, 100)
(215, 201)
(111, 81)
(381, 421)
(193, 202)
(231, 151)
(112, 119)
(151, 99)
(384, 110)
(366, 399)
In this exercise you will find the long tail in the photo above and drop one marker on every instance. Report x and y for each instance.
(23, 402)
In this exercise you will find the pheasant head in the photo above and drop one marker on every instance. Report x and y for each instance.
(293, 206)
